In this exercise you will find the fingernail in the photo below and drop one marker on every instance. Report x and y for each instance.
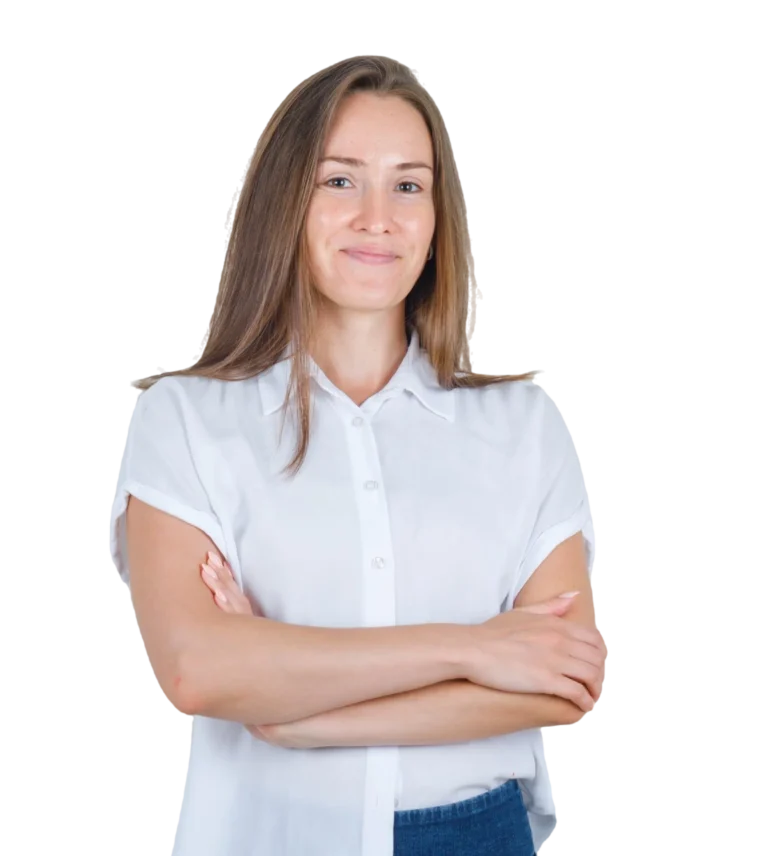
(570, 594)
(215, 560)
(209, 573)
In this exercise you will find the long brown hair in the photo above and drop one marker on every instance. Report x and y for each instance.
(266, 299)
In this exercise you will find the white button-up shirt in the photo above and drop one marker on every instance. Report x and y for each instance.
(420, 505)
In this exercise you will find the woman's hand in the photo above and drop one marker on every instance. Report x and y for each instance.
(227, 595)
(534, 649)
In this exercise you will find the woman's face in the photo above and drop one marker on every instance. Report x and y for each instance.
(378, 201)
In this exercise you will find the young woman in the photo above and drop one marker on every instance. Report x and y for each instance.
(388, 631)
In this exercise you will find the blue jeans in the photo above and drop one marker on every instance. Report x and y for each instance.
(494, 823)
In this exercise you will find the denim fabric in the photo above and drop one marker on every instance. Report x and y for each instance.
(494, 823)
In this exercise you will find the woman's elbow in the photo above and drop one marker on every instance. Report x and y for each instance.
(182, 687)
(567, 714)
(574, 715)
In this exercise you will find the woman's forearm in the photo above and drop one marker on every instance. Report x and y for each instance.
(256, 670)
(454, 711)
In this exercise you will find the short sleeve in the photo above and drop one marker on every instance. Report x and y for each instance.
(559, 492)
(164, 452)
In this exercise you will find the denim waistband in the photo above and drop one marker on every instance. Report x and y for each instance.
(508, 792)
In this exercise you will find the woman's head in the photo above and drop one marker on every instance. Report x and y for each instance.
(285, 263)
(280, 273)
(373, 190)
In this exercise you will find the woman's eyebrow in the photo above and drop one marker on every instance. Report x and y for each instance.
(358, 162)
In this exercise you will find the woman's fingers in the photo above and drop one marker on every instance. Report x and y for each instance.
(589, 675)
(577, 670)
(586, 652)
(573, 691)
(226, 593)
(581, 633)
(599, 680)
(211, 579)
(217, 563)
(597, 684)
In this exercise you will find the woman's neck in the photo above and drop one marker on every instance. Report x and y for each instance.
(360, 355)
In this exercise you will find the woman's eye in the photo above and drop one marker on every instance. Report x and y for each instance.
(338, 184)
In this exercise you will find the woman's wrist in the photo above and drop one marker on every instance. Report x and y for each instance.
(463, 651)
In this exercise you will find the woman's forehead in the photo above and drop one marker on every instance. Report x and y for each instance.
(379, 131)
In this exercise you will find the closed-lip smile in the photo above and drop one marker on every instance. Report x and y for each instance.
(370, 255)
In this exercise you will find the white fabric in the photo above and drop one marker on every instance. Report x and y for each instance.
(420, 505)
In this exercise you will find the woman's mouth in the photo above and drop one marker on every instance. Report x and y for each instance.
(369, 258)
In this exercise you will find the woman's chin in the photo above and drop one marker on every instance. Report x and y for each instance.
(365, 295)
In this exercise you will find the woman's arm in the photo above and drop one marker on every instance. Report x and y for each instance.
(252, 669)
(456, 711)
(453, 711)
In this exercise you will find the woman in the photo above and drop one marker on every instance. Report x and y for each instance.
(360, 682)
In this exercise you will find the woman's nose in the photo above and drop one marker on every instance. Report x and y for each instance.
(375, 214)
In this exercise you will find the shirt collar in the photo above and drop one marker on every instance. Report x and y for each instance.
(415, 374)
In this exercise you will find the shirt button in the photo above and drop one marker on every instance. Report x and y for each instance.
(371, 485)
(357, 421)
(378, 562)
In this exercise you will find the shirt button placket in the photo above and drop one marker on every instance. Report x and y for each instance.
(378, 587)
